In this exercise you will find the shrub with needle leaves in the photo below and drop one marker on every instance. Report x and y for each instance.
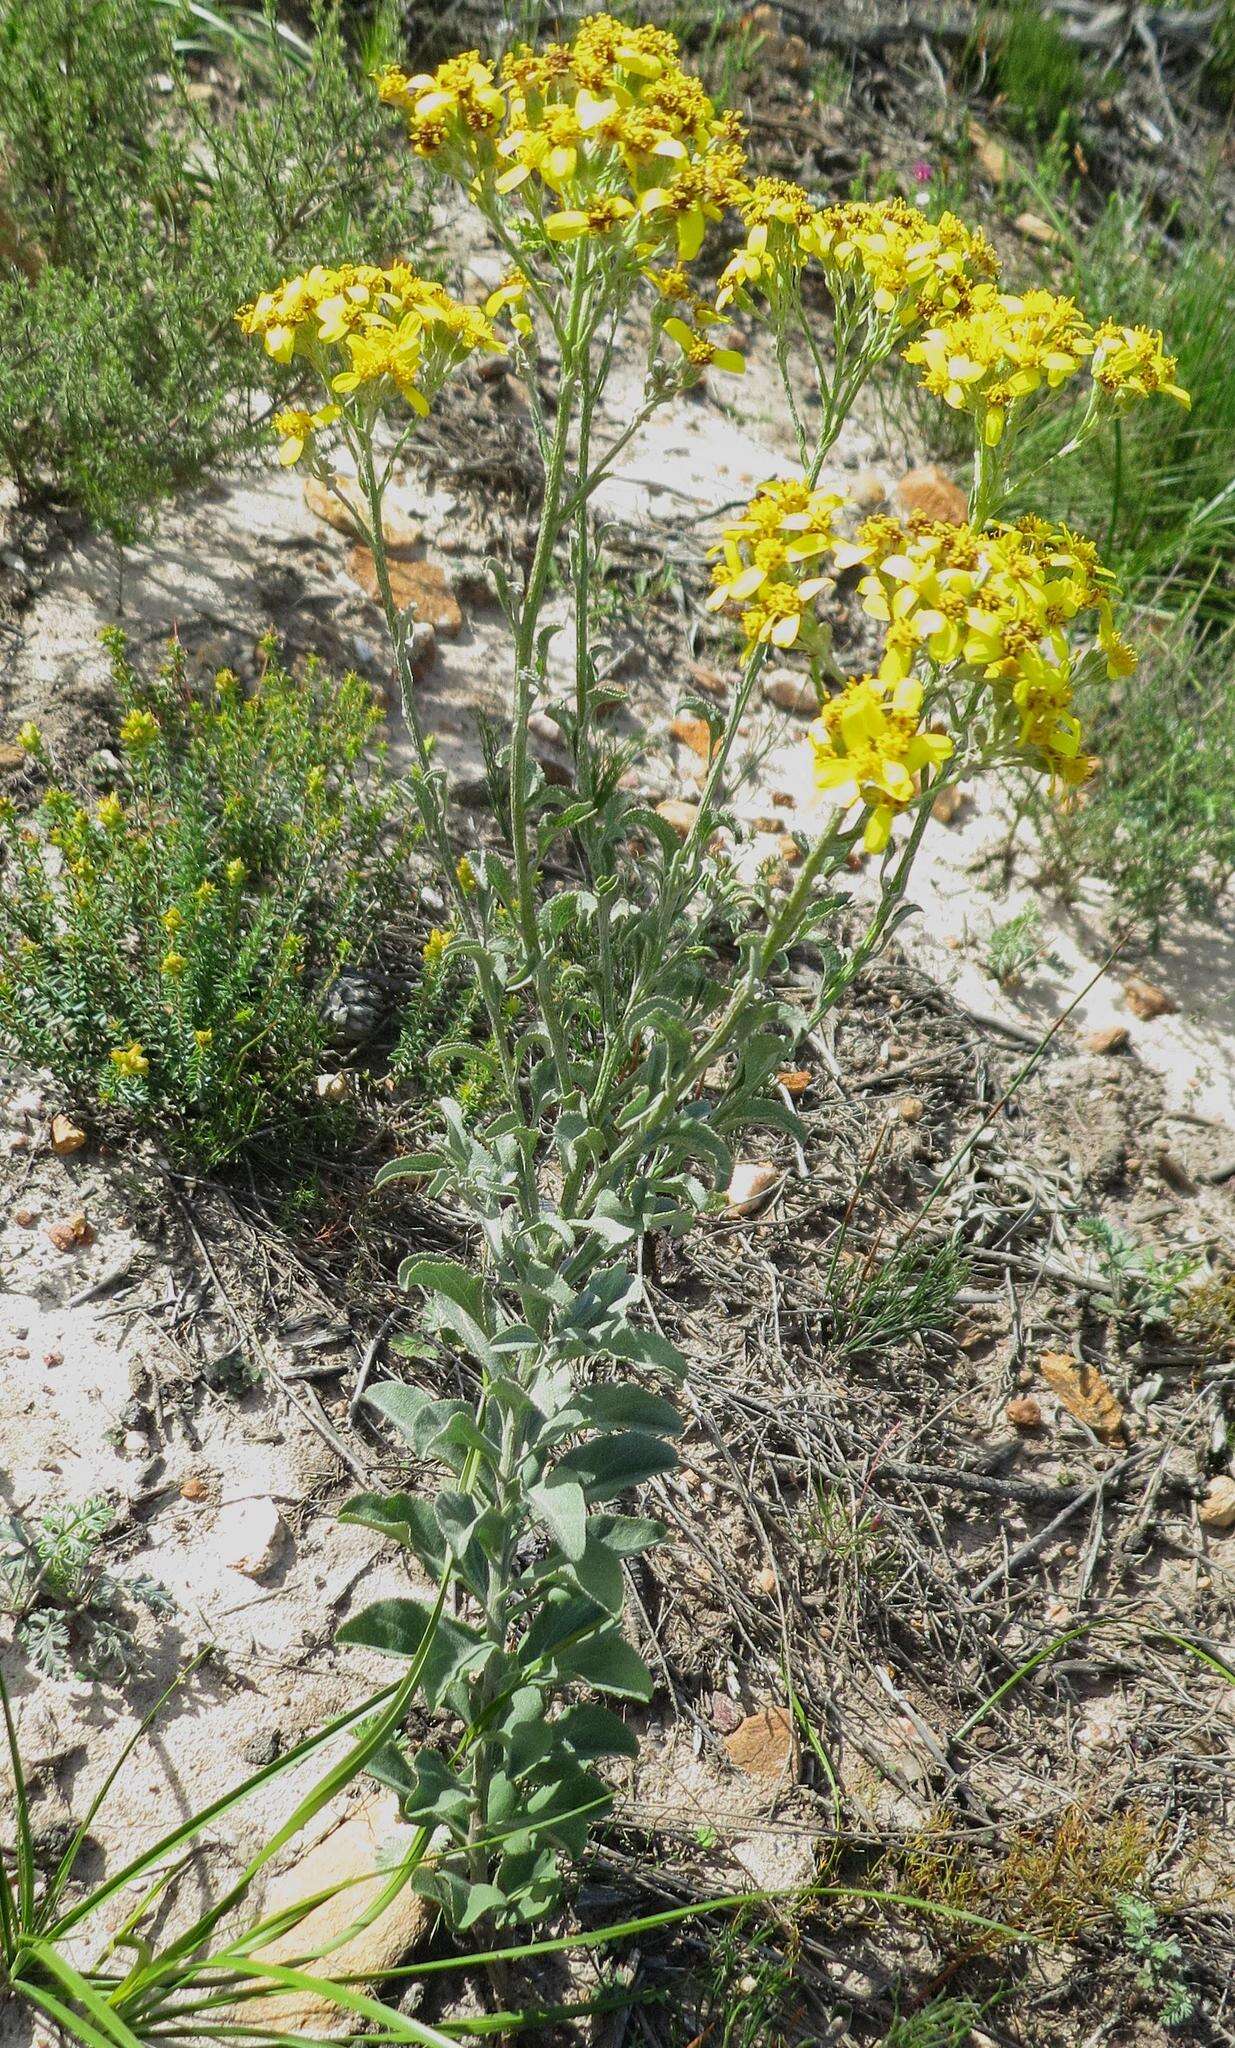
(131, 215)
(166, 953)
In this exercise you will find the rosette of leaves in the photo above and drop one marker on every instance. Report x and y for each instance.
(70, 1613)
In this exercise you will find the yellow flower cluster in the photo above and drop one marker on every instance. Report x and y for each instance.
(913, 268)
(1001, 349)
(998, 602)
(389, 328)
(899, 264)
(869, 746)
(605, 134)
(762, 556)
(130, 1061)
(1131, 362)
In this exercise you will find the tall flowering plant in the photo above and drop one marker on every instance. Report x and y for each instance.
(628, 1047)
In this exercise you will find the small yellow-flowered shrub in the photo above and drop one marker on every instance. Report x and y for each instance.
(633, 1020)
(166, 949)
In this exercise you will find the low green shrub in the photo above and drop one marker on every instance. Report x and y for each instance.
(132, 216)
(167, 953)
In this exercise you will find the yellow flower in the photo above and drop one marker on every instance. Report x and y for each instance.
(510, 298)
(130, 1061)
(450, 112)
(234, 873)
(434, 949)
(139, 731)
(786, 526)
(297, 428)
(173, 965)
(29, 738)
(700, 353)
(1049, 727)
(999, 352)
(203, 1038)
(1131, 362)
(779, 217)
(465, 874)
(204, 893)
(869, 747)
(902, 266)
(110, 812)
(171, 921)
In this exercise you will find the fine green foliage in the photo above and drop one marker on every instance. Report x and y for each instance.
(1142, 1284)
(1039, 74)
(943, 2022)
(168, 952)
(70, 1613)
(1158, 821)
(132, 219)
(1015, 947)
(1160, 1959)
(876, 1302)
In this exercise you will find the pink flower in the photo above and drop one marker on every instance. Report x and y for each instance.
(922, 172)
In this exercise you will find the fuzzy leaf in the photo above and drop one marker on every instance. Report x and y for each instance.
(598, 1573)
(560, 1503)
(610, 1464)
(398, 1627)
(609, 1663)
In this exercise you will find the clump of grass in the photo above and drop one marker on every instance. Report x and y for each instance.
(70, 1614)
(748, 1995)
(1158, 820)
(1038, 72)
(132, 219)
(167, 953)
(876, 1303)
(1204, 1316)
(944, 2022)
(1160, 490)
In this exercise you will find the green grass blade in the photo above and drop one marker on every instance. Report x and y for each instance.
(64, 1869)
(25, 1840)
(97, 2023)
(400, 2026)
(193, 1826)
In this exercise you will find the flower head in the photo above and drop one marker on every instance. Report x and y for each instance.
(130, 1061)
(999, 352)
(869, 747)
(1131, 363)
(296, 429)
(139, 731)
(433, 951)
(765, 557)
